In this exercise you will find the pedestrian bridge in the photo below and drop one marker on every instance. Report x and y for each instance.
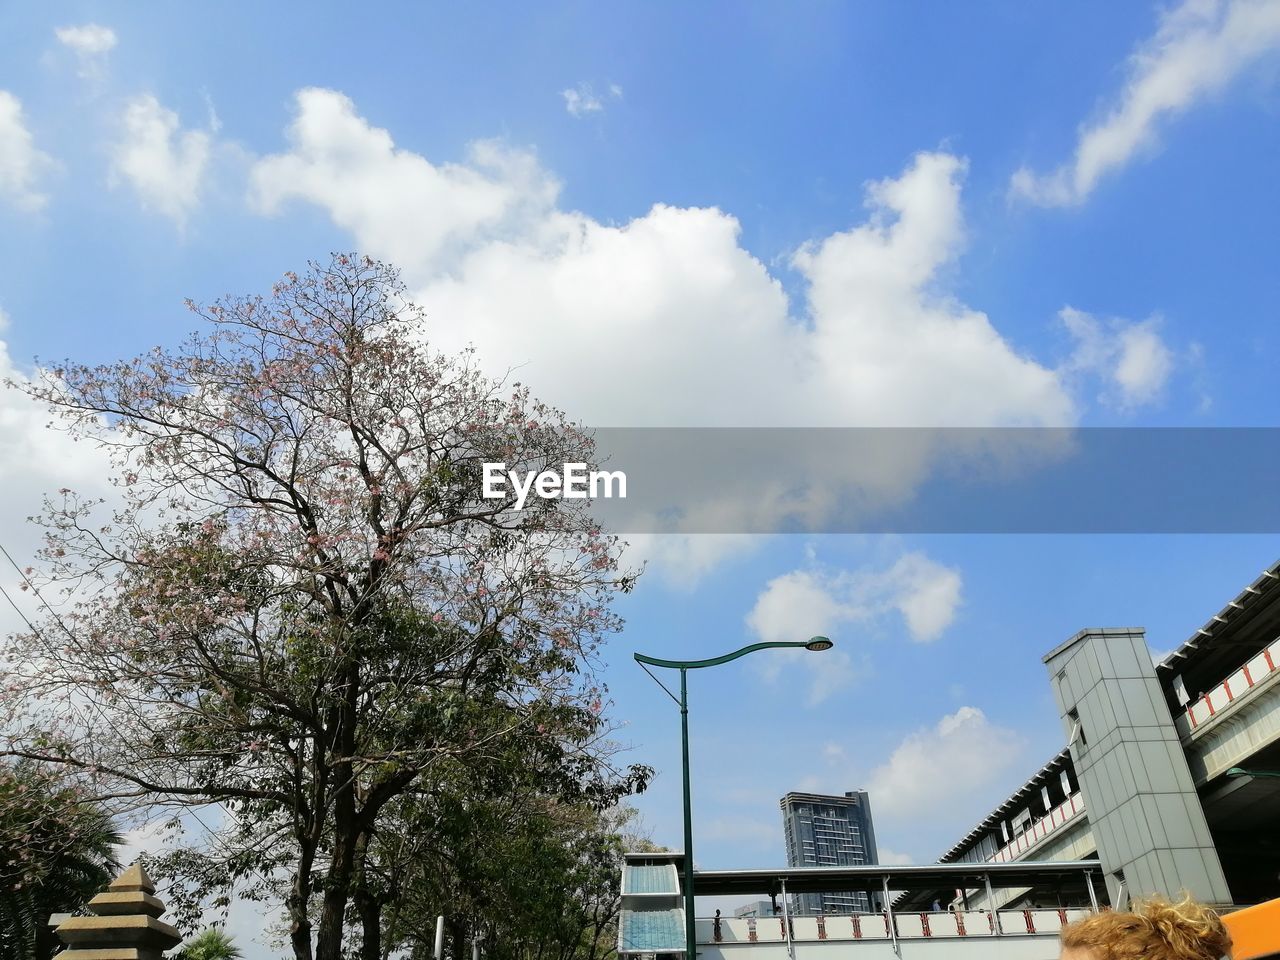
(1021, 935)
(651, 923)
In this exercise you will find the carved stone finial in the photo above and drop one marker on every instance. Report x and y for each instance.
(134, 878)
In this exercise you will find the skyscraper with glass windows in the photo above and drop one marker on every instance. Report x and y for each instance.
(830, 831)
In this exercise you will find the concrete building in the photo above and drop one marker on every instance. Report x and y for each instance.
(829, 831)
(1170, 776)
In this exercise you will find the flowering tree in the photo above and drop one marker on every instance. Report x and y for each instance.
(301, 601)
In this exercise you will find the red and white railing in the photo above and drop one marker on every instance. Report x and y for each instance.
(1056, 818)
(1226, 695)
(731, 932)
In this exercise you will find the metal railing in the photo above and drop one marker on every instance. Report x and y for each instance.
(1056, 818)
(1225, 696)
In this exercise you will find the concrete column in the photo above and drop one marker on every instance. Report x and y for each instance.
(1142, 806)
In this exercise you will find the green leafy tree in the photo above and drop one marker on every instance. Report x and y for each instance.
(303, 604)
(57, 850)
(520, 849)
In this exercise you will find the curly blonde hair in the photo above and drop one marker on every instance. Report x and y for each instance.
(1155, 930)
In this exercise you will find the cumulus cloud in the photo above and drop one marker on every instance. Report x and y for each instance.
(667, 319)
(89, 38)
(1198, 49)
(91, 42)
(620, 319)
(34, 461)
(21, 164)
(396, 203)
(163, 163)
(924, 594)
(583, 99)
(964, 750)
(1131, 360)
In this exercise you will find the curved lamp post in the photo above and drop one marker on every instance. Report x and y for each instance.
(1243, 772)
(815, 644)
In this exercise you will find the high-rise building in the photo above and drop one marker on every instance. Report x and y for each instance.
(830, 831)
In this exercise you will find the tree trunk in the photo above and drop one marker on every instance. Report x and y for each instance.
(368, 904)
(298, 903)
(370, 926)
(346, 828)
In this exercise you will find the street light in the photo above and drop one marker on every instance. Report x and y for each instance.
(816, 644)
(1242, 772)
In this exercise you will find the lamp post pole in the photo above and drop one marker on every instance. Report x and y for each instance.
(684, 666)
(690, 934)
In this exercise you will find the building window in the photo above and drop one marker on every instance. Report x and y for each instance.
(1077, 730)
(1122, 895)
(1021, 823)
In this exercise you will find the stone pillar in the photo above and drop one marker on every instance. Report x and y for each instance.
(1142, 805)
(126, 924)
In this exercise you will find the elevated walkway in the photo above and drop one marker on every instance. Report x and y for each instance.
(1021, 935)
(651, 924)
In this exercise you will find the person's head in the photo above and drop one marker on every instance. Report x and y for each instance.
(1155, 929)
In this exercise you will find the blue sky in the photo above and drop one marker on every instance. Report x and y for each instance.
(803, 214)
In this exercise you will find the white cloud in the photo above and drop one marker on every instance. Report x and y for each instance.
(892, 857)
(151, 838)
(964, 750)
(1131, 359)
(34, 461)
(164, 164)
(397, 204)
(925, 593)
(88, 38)
(667, 319)
(582, 99)
(803, 603)
(1199, 48)
(20, 162)
(91, 42)
(681, 560)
